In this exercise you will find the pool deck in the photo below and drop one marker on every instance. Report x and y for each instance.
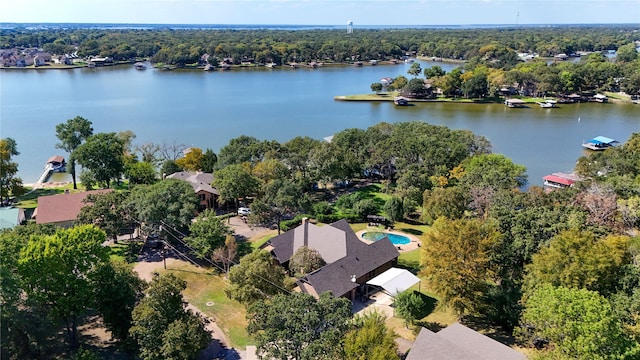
(414, 244)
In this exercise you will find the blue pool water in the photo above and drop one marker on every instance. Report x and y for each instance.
(395, 239)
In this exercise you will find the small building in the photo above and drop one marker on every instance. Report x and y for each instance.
(63, 209)
(401, 101)
(458, 342)
(386, 81)
(557, 182)
(561, 56)
(11, 217)
(201, 184)
(599, 98)
(515, 103)
(600, 143)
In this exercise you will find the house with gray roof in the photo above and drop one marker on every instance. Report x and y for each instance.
(350, 262)
(458, 342)
(201, 184)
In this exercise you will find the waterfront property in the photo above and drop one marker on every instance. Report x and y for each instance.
(54, 164)
(458, 342)
(350, 263)
(401, 101)
(600, 143)
(560, 180)
(515, 103)
(62, 210)
(201, 184)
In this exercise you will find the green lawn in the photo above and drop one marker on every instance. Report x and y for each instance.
(257, 242)
(30, 199)
(205, 288)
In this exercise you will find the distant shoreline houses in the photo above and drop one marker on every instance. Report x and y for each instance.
(21, 58)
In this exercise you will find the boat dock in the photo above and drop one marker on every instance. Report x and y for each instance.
(54, 164)
(599, 143)
(515, 103)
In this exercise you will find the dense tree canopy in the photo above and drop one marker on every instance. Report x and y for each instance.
(297, 326)
(58, 269)
(207, 233)
(455, 254)
(255, 278)
(168, 202)
(161, 325)
(103, 156)
(578, 323)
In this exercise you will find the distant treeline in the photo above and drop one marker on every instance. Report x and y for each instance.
(283, 46)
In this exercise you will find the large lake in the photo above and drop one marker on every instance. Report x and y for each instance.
(207, 109)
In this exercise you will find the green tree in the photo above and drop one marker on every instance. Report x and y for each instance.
(394, 208)
(207, 233)
(71, 135)
(296, 326)
(10, 184)
(376, 87)
(25, 328)
(141, 172)
(161, 325)
(255, 278)
(103, 155)
(304, 261)
(415, 88)
(434, 71)
(627, 53)
(106, 211)
(209, 161)
(370, 340)
(235, 182)
(448, 202)
(399, 82)
(576, 259)
(494, 171)
(455, 254)
(168, 202)
(116, 291)
(578, 323)
(409, 305)
(415, 69)
(58, 268)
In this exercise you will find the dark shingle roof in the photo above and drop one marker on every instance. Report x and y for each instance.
(458, 342)
(358, 259)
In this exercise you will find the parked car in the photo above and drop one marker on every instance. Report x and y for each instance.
(244, 211)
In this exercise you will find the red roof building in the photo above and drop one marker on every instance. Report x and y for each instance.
(62, 209)
(559, 182)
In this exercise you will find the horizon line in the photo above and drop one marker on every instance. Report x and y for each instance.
(279, 24)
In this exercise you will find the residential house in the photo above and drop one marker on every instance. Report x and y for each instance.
(11, 217)
(201, 183)
(62, 210)
(458, 342)
(63, 60)
(350, 262)
(41, 59)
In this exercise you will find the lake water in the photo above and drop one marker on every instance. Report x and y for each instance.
(207, 109)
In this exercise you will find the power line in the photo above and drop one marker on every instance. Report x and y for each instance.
(230, 260)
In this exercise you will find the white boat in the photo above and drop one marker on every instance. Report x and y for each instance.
(140, 66)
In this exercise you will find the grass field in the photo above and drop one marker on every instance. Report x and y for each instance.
(206, 292)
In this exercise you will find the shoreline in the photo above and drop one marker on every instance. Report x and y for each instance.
(386, 97)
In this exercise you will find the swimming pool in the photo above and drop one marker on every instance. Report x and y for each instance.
(395, 238)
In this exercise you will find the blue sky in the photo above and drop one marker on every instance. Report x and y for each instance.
(323, 12)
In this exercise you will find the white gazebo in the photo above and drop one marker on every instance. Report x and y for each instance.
(394, 281)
